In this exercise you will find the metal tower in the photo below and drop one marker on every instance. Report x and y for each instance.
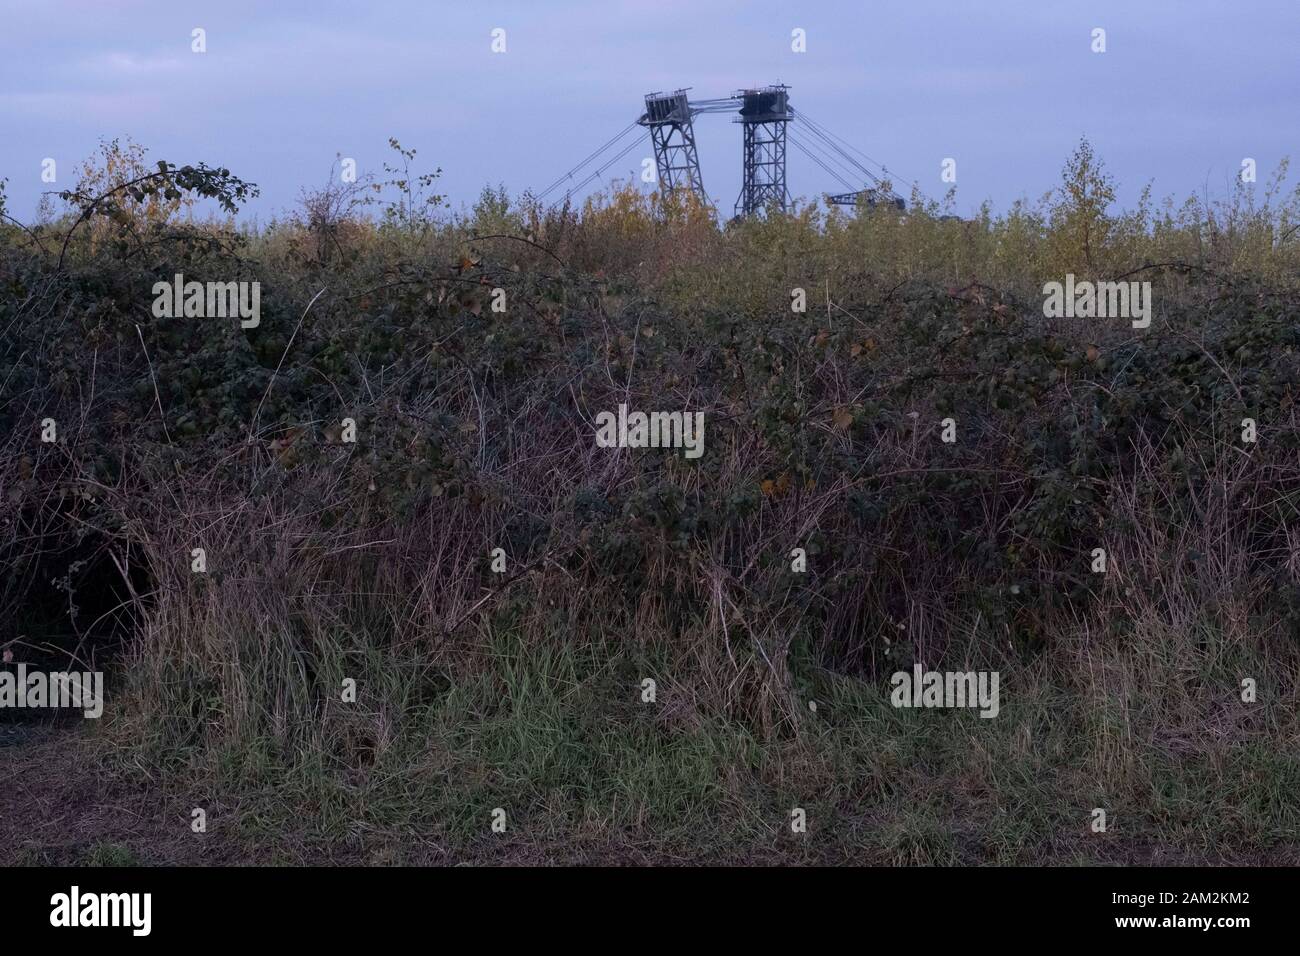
(763, 116)
(668, 116)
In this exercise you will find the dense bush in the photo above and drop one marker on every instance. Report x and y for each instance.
(475, 431)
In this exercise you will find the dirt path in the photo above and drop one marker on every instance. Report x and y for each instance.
(56, 808)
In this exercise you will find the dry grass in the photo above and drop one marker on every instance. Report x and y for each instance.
(371, 562)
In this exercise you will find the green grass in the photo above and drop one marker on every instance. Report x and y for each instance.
(110, 855)
(559, 738)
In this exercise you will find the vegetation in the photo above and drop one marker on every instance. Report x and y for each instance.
(329, 560)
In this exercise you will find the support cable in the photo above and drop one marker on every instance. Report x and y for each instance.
(844, 158)
(595, 175)
(816, 159)
(828, 136)
(854, 173)
(569, 175)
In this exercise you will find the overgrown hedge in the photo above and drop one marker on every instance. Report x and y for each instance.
(822, 431)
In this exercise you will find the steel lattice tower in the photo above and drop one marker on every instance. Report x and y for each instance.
(672, 133)
(763, 116)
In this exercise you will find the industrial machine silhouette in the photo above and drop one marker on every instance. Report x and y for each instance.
(765, 116)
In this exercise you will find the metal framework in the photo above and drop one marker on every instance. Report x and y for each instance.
(764, 114)
(669, 118)
(868, 197)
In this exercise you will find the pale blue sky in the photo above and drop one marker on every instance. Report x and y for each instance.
(1186, 89)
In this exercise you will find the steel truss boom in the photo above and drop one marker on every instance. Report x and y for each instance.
(765, 115)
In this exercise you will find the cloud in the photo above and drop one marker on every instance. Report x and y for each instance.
(117, 63)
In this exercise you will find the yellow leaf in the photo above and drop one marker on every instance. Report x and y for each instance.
(843, 417)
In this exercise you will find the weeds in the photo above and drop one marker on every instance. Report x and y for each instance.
(329, 561)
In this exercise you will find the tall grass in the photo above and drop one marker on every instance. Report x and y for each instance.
(329, 562)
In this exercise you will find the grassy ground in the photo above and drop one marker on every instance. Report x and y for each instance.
(587, 772)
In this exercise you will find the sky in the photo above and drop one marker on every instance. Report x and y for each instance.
(1185, 90)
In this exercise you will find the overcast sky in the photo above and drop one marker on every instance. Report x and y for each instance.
(1185, 90)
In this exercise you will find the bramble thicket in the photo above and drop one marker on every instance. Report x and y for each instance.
(327, 559)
